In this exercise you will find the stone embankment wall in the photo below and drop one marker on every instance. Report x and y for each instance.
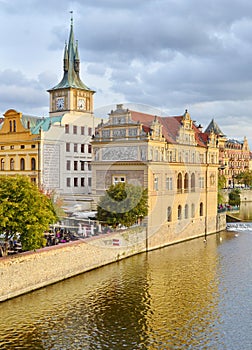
(28, 271)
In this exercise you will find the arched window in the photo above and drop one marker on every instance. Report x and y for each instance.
(11, 164)
(22, 164)
(2, 164)
(10, 126)
(169, 214)
(179, 212)
(201, 209)
(193, 210)
(14, 126)
(186, 211)
(193, 182)
(179, 183)
(186, 183)
(33, 164)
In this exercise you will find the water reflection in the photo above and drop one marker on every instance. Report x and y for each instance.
(245, 212)
(172, 298)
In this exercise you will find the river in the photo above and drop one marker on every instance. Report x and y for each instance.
(193, 295)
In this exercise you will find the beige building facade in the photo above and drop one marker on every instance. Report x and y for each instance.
(169, 156)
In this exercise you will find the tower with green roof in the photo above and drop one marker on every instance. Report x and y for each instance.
(71, 94)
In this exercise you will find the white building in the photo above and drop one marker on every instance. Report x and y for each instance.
(66, 151)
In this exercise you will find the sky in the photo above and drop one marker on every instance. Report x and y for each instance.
(169, 55)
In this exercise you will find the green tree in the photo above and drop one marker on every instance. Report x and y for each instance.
(234, 197)
(24, 211)
(245, 177)
(123, 204)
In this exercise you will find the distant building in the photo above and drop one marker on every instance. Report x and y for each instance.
(172, 158)
(234, 155)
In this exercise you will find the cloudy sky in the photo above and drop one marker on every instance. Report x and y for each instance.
(171, 55)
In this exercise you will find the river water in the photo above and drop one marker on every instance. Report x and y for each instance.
(193, 295)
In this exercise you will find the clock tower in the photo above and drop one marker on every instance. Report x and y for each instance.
(71, 94)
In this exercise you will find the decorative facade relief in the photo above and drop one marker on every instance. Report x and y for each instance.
(51, 166)
(120, 153)
(119, 132)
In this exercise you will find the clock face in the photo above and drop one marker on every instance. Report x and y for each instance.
(60, 103)
(81, 103)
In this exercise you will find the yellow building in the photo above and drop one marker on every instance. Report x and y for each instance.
(19, 147)
(169, 156)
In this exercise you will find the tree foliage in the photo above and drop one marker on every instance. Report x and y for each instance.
(24, 211)
(234, 197)
(245, 177)
(123, 204)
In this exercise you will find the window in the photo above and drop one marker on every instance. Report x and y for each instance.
(28, 124)
(75, 147)
(33, 164)
(22, 146)
(89, 149)
(12, 164)
(68, 181)
(68, 165)
(118, 179)
(179, 183)
(22, 164)
(10, 126)
(186, 211)
(82, 148)
(82, 130)
(186, 183)
(169, 214)
(67, 147)
(33, 180)
(179, 212)
(2, 148)
(89, 131)
(2, 164)
(201, 209)
(75, 181)
(89, 166)
(11, 147)
(193, 210)
(193, 182)
(169, 183)
(75, 165)
(66, 128)
(33, 146)
(75, 129)
(89, 181)
(155, 183)
(82, 181)
(82, 165)
(14, 126)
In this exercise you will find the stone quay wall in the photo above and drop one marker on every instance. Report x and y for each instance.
(28, 271)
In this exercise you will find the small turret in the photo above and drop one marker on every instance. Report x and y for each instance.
(66, 64)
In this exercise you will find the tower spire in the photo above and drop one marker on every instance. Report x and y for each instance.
(71, 64)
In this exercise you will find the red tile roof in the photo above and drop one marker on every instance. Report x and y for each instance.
(171, 126)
